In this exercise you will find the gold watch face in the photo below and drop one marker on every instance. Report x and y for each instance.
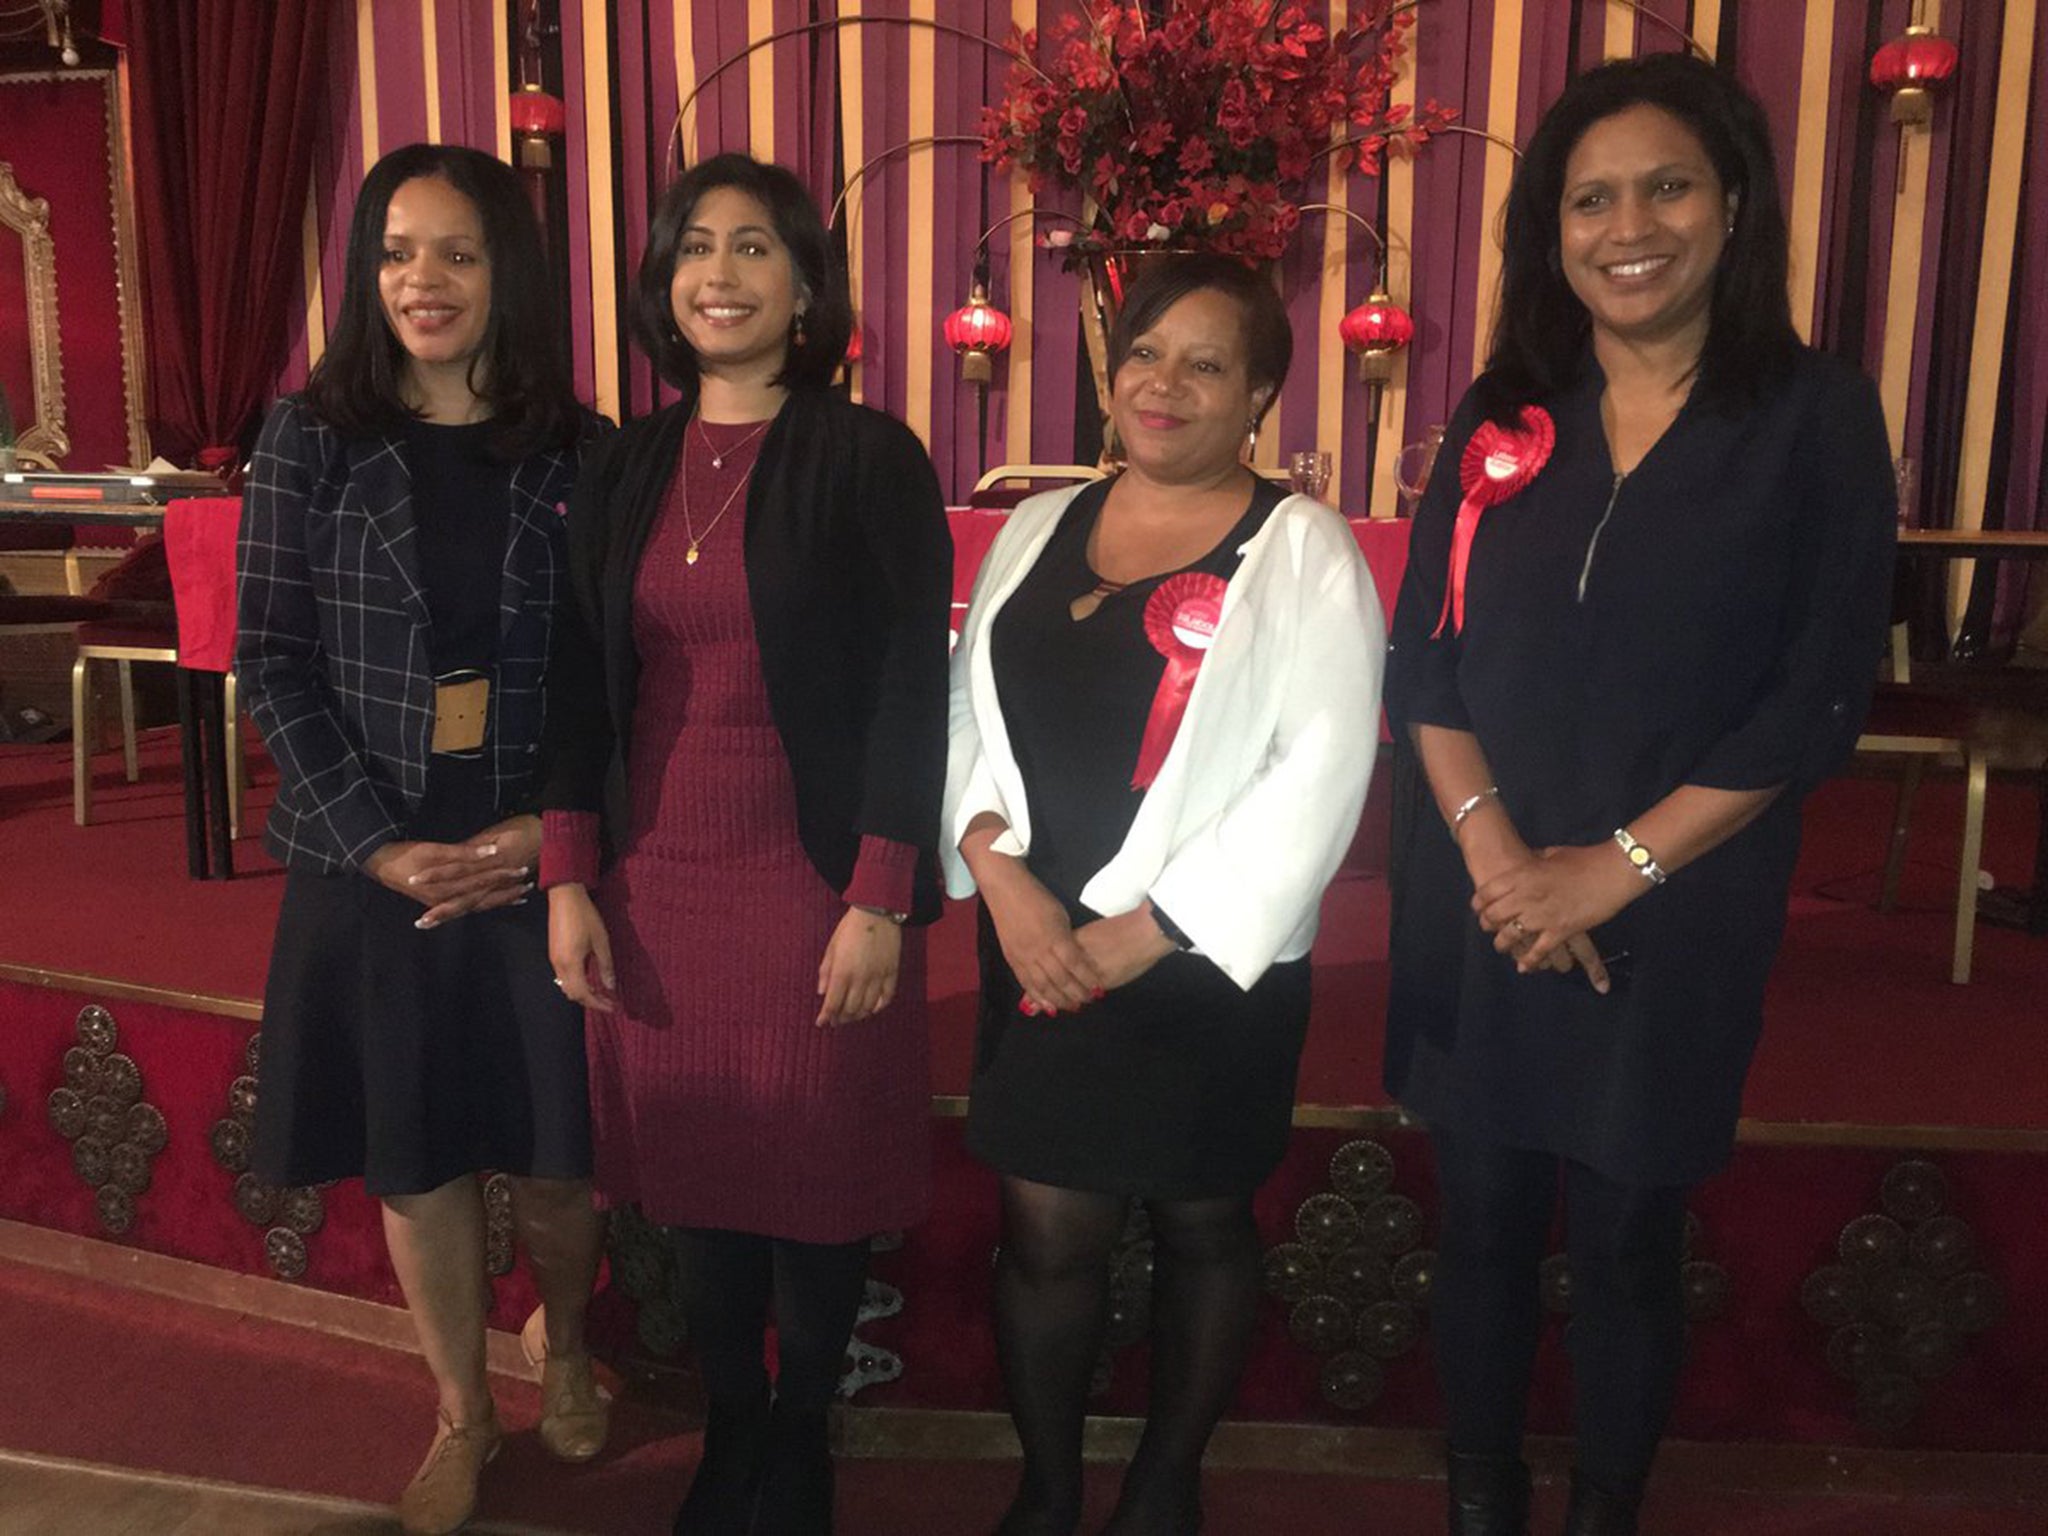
(1639, 856)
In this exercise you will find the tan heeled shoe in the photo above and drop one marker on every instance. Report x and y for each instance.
(575, 1412)
(533, 1337)
(442, 1494)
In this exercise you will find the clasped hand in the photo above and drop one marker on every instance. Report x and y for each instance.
(1061, 967)
(1542, 908)
(492, 869)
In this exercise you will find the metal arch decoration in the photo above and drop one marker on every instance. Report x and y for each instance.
(1470, 132)
(44, 438)
(830, 24)
(1668, 24)
(981, 245)
(1379, 241)
(925, 141)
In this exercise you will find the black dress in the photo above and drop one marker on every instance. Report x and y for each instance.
(412, 1057)
(1179, 1085)
(1714, 618)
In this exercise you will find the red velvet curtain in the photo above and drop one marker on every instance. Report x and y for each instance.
(227, 97)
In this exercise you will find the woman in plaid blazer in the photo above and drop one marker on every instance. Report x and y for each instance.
(401, 557)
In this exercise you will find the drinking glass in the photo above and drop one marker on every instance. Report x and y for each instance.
(1906, 474)
(1309, 472)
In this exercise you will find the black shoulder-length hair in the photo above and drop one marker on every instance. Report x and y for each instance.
(1542, 329)
(820, 280)
(1268, 336)
(519, 370)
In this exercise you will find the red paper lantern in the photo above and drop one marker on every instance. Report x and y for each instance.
(977, 331)
(1376, 330)
(1909, 67)
(536, 118)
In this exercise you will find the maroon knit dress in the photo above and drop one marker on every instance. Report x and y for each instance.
(716, 1101)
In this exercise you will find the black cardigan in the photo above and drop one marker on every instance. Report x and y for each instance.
(849, 571)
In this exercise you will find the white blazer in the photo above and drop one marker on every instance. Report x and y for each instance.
(1259, 796)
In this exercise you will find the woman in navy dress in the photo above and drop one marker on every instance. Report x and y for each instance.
(1668, 636)
(401, 556)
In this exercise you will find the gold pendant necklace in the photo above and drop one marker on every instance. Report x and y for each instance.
(717, 462)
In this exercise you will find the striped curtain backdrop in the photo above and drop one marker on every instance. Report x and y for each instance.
(1904, 247)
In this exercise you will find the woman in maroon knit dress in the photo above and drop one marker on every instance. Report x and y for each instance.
(746, 747)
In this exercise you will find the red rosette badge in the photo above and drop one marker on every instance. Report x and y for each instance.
(1499, 462)
(1180, 620)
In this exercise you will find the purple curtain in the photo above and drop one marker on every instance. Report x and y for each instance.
(227, 97)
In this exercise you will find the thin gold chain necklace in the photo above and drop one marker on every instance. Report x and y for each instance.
(717, 462)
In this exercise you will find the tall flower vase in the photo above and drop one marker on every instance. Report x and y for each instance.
(1106, 276)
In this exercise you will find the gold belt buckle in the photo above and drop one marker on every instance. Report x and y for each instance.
(460, 709)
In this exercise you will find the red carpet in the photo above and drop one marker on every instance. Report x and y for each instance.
(1863, 1027)
(104, 1374)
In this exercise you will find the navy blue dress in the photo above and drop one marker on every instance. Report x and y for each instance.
(405, 1057)
(1713, 618)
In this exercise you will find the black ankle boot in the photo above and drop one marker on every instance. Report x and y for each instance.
(1593, 1512)
(1489, 1495)
(1028, 1518)
(796, 1484)
(728, 1480)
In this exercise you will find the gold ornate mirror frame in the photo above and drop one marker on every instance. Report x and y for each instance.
(127, 273)
(39, 436)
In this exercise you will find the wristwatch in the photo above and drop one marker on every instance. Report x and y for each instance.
(898, 918)
(1640, 859)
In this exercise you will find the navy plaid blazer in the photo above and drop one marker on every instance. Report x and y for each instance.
(331, 646)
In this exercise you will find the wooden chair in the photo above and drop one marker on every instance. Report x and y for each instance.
(1007, 484)
(1927, 727)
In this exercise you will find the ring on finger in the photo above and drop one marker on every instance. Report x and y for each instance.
(1516, 924)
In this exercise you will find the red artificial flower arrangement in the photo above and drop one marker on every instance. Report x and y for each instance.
(1196, 123)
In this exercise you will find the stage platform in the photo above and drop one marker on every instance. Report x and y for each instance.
(1891, 1169)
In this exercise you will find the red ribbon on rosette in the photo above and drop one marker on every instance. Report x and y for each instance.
(1180, 620)
(1499, 462)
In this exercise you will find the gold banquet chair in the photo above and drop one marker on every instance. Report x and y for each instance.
(1925, 728)
(1007, 484)
(154, 638)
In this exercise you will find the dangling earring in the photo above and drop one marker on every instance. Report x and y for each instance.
(796, 330)
(1251, 438)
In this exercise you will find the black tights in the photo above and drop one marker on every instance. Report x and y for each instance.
(1627, 1334)
(1052, 1292)
(729, 1278)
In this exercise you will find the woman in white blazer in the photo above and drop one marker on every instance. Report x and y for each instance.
(1165, 707)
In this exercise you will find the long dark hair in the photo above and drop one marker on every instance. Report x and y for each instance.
(1542, 330)
(518, 371)
(821, 284)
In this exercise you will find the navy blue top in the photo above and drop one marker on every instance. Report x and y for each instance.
(462, 511)
(1713, 618)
